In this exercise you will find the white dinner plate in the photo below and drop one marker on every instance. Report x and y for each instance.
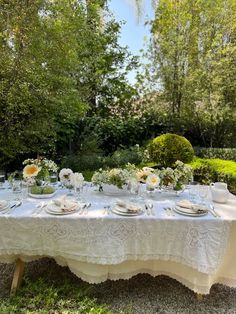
(121, 211)
(53, 209)
(40, 196)
(186, 212)
(5, 205)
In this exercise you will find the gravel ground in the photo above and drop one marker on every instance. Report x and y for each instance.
(141, 294)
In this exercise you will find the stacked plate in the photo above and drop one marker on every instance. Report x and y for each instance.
(127, 209)
(188, 208)
(54, 209)
(4, 205)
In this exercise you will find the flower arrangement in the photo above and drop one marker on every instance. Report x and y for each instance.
(177, 177)
(36, 170)
(65, 176)
(71, 179)
(115, 176)
(167, 178)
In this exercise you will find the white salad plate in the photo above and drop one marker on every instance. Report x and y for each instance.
(122, 211)
(53, 209)
(5, 205)
(188, 212)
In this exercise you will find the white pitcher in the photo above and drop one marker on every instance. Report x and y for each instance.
(219, 192)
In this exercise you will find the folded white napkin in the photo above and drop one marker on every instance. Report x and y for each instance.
(65, 205)
(129, 207)
(192, 206)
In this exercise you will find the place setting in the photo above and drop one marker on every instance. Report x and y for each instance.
(63, 206)
(189, 208)
(129, 208)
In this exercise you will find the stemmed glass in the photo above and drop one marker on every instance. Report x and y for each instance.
(193, 188)
(134, 188)
(2, 179)
(17, 189)
(80, 190)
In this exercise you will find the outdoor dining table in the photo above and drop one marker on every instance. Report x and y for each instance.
(98, 245)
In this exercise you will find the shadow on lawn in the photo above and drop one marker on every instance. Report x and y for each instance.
(49, 288)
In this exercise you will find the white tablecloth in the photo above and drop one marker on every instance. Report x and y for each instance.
(196, 251)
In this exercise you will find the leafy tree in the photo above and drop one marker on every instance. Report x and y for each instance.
(38, 97)
(59, 60)
(193, 59)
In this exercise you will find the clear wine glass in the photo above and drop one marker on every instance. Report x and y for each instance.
(17, 189)
(134, 189)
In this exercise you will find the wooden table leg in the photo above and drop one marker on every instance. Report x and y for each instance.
(18, 275)
(199, 296)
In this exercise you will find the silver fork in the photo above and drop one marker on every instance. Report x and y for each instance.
(87, 205)
(82, 209)
(166, 209)
(108, 210)
(171, 211)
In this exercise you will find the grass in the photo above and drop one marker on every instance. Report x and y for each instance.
(43, 297)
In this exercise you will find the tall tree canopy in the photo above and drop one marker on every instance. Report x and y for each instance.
(59, 59)
(193, 54)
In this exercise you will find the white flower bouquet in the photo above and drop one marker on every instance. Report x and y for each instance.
(36, 170)
(116, 176)
(176, 178)
(71, 179)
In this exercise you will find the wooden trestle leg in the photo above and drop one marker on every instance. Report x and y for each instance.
(18, 275)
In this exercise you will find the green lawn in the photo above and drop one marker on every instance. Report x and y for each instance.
(43, 296)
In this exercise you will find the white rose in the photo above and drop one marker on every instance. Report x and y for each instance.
(65, 175)
(153, 181)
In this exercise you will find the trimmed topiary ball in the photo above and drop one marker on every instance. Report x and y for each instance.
(166, 149)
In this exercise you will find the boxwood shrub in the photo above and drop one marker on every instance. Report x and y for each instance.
(212, 170)
(166, 149)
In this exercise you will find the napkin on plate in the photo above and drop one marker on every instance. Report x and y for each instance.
(192, 206)
(130, 207)
(65, 205)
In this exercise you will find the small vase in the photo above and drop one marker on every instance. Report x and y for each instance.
(111, 189)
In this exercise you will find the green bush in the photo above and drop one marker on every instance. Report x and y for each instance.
(134, 155)
(82, 162)
(166, 149)
(222, 153)
(92, 160)
(212, 170)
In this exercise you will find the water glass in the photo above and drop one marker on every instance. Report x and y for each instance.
(193, 190)
(78, 192)
(17, 189)
(53, 178)
(134, 188)
(203, 193)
